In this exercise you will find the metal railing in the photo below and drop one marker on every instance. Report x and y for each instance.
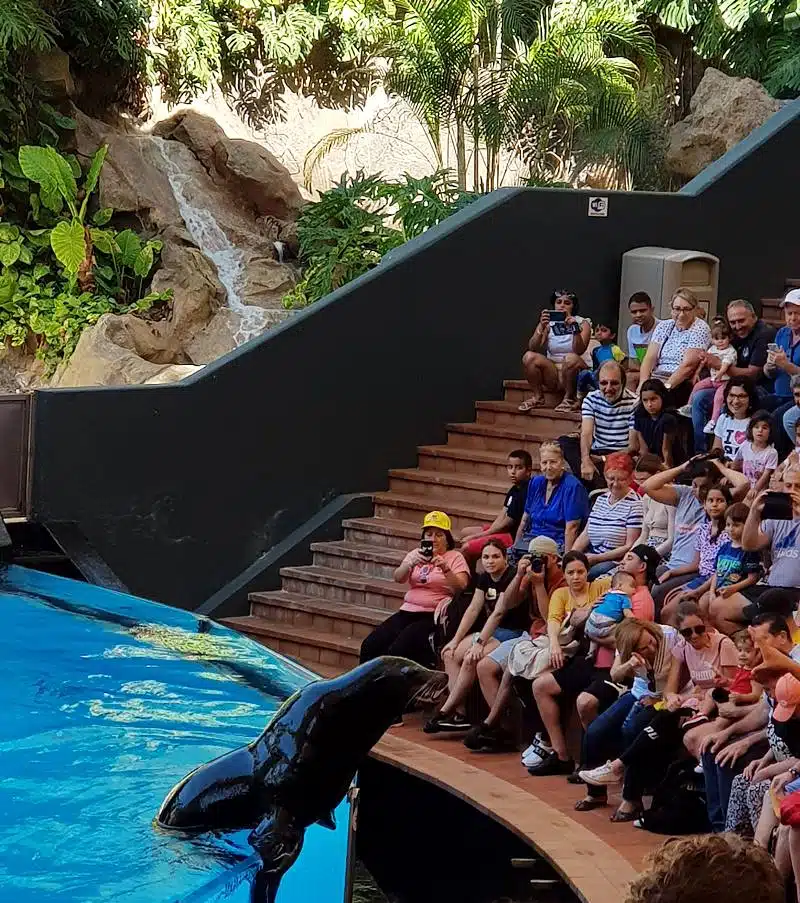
(15, 426)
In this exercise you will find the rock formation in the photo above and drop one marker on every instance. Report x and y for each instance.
(723, 111)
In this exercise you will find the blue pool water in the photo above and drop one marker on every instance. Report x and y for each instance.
(107, 701)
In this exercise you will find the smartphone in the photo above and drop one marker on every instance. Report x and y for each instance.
(777, 506)
(772, 347)
(557, 316)
(426, 547)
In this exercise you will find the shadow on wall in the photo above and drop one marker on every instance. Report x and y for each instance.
(181, 487)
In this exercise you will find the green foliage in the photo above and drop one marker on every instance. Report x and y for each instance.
(349, 229)
(59, 273)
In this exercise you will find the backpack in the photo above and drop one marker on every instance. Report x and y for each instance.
(679, 803)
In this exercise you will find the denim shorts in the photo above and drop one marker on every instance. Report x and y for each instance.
(506, 633)
(499, 655)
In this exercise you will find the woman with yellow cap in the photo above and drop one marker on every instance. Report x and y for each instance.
(435, 571)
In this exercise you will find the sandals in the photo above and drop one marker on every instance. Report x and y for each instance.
(530, 403)
(591, 802)
(619, 816)
(567, 406)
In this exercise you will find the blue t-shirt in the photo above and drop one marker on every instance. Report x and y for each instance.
(604, 353)
(733, 565)
(784, 341)
(613, 604)
(569, 501)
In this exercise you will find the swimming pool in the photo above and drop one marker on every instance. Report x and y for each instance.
(107, 701)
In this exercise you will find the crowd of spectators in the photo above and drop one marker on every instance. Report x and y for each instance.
(643, 586)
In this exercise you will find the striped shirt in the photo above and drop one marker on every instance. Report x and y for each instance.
(612, 420)
(609, 521)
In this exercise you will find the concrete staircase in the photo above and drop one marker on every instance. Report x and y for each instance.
(770, 310)
(324, 610)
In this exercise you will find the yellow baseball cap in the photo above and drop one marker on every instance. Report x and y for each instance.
(437, 519)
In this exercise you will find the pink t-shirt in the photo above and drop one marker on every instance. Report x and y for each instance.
(428, 584)
(643, 608)
(703, 662)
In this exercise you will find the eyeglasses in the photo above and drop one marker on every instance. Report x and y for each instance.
(742, 395)
(697, 630)
(682, 310)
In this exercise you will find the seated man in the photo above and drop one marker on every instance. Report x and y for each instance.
(640, 332)
(504, 527)
(750, 337)
(606, 416)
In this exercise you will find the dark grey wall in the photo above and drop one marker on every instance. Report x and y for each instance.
(182, 487)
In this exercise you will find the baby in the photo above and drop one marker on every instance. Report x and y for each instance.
(611, 607)
(721, 348)
(741, 689)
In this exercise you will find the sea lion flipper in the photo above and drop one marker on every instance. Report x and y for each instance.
(278, 840)
(328, 821)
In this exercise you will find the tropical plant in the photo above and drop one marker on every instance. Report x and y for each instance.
(349, 229)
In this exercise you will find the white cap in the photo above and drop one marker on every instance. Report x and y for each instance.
(792, 297)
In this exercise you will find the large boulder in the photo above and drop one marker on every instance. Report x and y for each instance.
(106, 355)
(131, 180)
(248, 170)
(722, 112)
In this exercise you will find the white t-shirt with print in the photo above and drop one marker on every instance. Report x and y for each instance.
(674, 341)
(560, 339)
(733, 433)
(756, 461)
(638, 340)
(726, 356)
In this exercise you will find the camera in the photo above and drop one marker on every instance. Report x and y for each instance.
(537, 564)
(426, 547)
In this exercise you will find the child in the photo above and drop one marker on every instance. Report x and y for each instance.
(756, 457)
(611, 607)
(720, 347)
(607, 350)
(504, 527)
(654, 427)
(734, 569)
(741, 689)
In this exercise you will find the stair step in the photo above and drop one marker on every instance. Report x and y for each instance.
(341, 586)
(792, 283)
(517, 390)
(303, 643)
(475, 461)
(293, 610)
(383, 532)
(357, 558)
(413, 508)
(324, 672)
(489, 437)
(545, 422)
(442, 489)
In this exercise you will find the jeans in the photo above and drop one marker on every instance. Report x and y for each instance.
(790, 418)
(779, 406)
(405, 634)
(719, 779)
(702, 403)
(603, 567)
(612, 732)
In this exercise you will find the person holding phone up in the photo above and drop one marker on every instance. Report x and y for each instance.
(557, 352)
(783, 363)
(435, 572)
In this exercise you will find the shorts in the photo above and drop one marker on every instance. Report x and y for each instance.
(504, 634)
(500, 654)
(603, 690)
(785, 606)
(575, 676)
(473, 547)
(694, 583)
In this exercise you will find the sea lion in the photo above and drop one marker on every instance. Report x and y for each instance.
(299, 769)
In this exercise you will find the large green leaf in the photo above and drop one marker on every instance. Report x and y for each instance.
(129, 246)
(68, 244)
(94, 169)
(144, 261)
(9, 254)
(8, 232)
(8, 285)
(11, 165)
(103, 216)
(103, 240)
(47, 167)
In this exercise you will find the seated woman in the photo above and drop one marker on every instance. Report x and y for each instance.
(658, 522)
(615, 521)
(680, 567)
(556, 505)
(644, 655)
(435, 572)
(708, 539)
(677, 347)
(462, 654)
(557, 344)
(782, 539)
(655, 427)
(740, 403)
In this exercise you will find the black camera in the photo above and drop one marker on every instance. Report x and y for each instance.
(537, 564)
(426, 547)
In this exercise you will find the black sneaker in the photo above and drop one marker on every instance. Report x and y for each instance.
(575, 777)
(552, 765)
(447, 723)
(483, 738)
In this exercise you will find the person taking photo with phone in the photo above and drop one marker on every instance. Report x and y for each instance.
(435, 572)
(557, 352)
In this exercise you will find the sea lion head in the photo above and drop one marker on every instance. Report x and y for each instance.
(398, 683)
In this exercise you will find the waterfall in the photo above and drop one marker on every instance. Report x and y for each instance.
(213, 242)
(280, 250)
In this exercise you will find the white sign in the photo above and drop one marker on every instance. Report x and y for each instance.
(598, 206)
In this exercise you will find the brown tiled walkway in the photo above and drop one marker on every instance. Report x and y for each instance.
(597, 858)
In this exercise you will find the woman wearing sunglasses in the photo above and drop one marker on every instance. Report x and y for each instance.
(708, 656)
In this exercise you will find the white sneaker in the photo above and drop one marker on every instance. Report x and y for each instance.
(601, 776)
(709, 428)
(534, 754)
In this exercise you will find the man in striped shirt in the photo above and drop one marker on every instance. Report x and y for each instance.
(605, 421)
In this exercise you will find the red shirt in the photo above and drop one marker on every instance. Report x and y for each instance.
(742, 681)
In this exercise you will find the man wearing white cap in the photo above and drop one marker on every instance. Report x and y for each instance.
(783, 363)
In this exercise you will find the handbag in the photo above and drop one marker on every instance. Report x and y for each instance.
(531, 657)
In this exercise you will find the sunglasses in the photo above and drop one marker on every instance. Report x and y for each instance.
(686, 632)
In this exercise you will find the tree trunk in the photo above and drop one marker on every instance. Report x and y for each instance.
(461, 154)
